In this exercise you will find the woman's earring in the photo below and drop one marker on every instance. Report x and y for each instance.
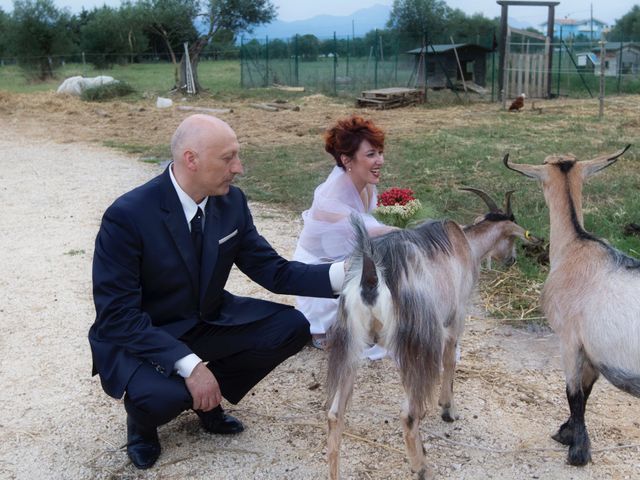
(349, 168)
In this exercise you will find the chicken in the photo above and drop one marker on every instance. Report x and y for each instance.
(518, 103)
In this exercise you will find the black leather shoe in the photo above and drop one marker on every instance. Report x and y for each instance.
(216, 421)
(143, 446)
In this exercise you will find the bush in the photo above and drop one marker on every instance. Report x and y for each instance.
(105, 92)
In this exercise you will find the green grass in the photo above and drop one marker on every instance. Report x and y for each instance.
(148, 153)
(221, 77)
(106, 92)
(437, 163)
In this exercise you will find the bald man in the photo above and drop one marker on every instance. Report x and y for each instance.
(167, 334)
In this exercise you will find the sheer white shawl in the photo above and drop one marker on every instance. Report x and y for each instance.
(327, 236)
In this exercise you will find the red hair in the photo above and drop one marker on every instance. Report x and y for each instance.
(345, 137)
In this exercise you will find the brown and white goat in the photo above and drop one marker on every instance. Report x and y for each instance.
(408, 291)
(591, 296)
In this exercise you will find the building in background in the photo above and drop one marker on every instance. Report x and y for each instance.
(565, 28)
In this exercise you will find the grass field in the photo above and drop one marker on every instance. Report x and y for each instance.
(437, 163)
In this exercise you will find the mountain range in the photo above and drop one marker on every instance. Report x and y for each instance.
(322, 26)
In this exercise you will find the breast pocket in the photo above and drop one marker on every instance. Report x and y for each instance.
(228, 237)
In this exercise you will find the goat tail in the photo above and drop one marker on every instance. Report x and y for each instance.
(624, 380)
(364, 249)
(418, 345)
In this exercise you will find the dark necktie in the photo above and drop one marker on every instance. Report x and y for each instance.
(196, 233)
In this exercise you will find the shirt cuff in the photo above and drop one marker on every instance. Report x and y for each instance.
(336, 276)
(185, 365)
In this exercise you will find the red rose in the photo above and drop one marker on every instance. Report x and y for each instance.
(395, 196)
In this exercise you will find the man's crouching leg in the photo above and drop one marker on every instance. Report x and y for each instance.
(151, 400)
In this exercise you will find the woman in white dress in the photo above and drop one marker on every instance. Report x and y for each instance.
(357, 146)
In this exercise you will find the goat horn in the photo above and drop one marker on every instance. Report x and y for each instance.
(507, 202)
(484, 196)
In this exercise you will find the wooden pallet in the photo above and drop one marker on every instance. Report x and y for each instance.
(385, 98)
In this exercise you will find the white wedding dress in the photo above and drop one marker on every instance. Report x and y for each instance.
(327, 236)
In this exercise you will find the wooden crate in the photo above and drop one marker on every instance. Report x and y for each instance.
(385, 98)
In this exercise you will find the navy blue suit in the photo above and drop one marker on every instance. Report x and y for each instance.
(155, 305)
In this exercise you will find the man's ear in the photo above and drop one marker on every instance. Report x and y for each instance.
(190, 160)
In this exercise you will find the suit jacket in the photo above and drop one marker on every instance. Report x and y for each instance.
(148, 289)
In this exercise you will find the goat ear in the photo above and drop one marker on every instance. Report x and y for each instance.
(590, 167)
(537, 172)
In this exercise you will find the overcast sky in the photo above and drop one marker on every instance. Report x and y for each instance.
(606, 10)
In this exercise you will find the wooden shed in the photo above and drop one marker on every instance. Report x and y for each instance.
(442, 58)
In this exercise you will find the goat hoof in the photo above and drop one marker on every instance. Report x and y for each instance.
(579, 456)
(564, 435)
(449, 415)
(425, 473)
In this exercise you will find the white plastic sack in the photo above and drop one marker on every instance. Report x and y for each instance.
(162, 102)
(76, 85)
(91, 82)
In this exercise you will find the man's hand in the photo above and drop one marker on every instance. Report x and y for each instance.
(204, 388)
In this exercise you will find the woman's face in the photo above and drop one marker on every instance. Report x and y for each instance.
(364, 167)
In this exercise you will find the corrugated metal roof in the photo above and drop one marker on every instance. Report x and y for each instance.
(446, 47)
(616, 46)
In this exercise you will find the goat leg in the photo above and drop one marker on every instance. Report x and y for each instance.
(411, 415)
(448, 410)
(565, 433)
(580, 376)
(336, 422)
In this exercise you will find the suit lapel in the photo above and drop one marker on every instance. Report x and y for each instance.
(176, 224)
(209, 244)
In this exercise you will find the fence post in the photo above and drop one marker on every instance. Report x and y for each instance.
(602, 63)
(266, 58)
(335, 64)
(620, 60)
(559, 63)
(375, 67)
(295, 53)
(242, 61)
(347, 74)
(493, 76)
(397, 52)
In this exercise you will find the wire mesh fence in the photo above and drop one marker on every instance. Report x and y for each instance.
(347, 66)
(344, 65)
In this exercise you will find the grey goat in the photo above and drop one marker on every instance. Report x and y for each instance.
(408, 291)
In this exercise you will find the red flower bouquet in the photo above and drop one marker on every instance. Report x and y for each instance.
(397, 207)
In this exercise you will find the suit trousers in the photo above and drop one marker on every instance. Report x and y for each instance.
(239, 357)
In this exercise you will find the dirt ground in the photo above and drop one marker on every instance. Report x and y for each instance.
(55, 183)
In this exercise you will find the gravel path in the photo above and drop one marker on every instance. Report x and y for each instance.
(56, 423)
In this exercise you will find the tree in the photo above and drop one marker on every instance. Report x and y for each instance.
(5, 26)
(231, 15)
(110, 35)
(627, 28)
(169, 23)
(308, 47)
(420, 18)
(278, 49)
(39, 34)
